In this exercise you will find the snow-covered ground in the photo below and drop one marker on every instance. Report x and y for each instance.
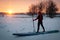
(23, 24)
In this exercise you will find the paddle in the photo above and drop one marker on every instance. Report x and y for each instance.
(33, 23)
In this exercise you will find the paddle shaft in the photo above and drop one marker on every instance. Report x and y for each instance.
(33, 24)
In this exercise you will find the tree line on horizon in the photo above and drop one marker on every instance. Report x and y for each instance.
(50, 8)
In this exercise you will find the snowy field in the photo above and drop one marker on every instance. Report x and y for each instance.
(24, 24)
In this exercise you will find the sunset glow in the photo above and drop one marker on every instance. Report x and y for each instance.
(16, 5)
(20, 5)
(9, 11)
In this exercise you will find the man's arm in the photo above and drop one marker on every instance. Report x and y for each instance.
(35, 19)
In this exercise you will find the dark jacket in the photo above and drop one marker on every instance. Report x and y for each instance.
(40, 17)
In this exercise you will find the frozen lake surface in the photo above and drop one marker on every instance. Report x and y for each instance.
(23, 24)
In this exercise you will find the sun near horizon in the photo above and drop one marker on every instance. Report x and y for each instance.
(19, 6)
(10, 12)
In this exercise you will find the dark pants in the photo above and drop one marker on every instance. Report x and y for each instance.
(40, 23)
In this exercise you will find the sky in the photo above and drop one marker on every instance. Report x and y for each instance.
(20, 5)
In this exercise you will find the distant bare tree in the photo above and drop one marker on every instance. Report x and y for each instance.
(41, 6)
(32, 9)
(51, 9)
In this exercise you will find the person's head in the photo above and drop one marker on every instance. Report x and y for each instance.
(38, 10)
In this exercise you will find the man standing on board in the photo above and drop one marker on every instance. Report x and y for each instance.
(40, 20)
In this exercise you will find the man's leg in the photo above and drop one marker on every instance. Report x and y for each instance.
(42, 26)
(38, 26)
